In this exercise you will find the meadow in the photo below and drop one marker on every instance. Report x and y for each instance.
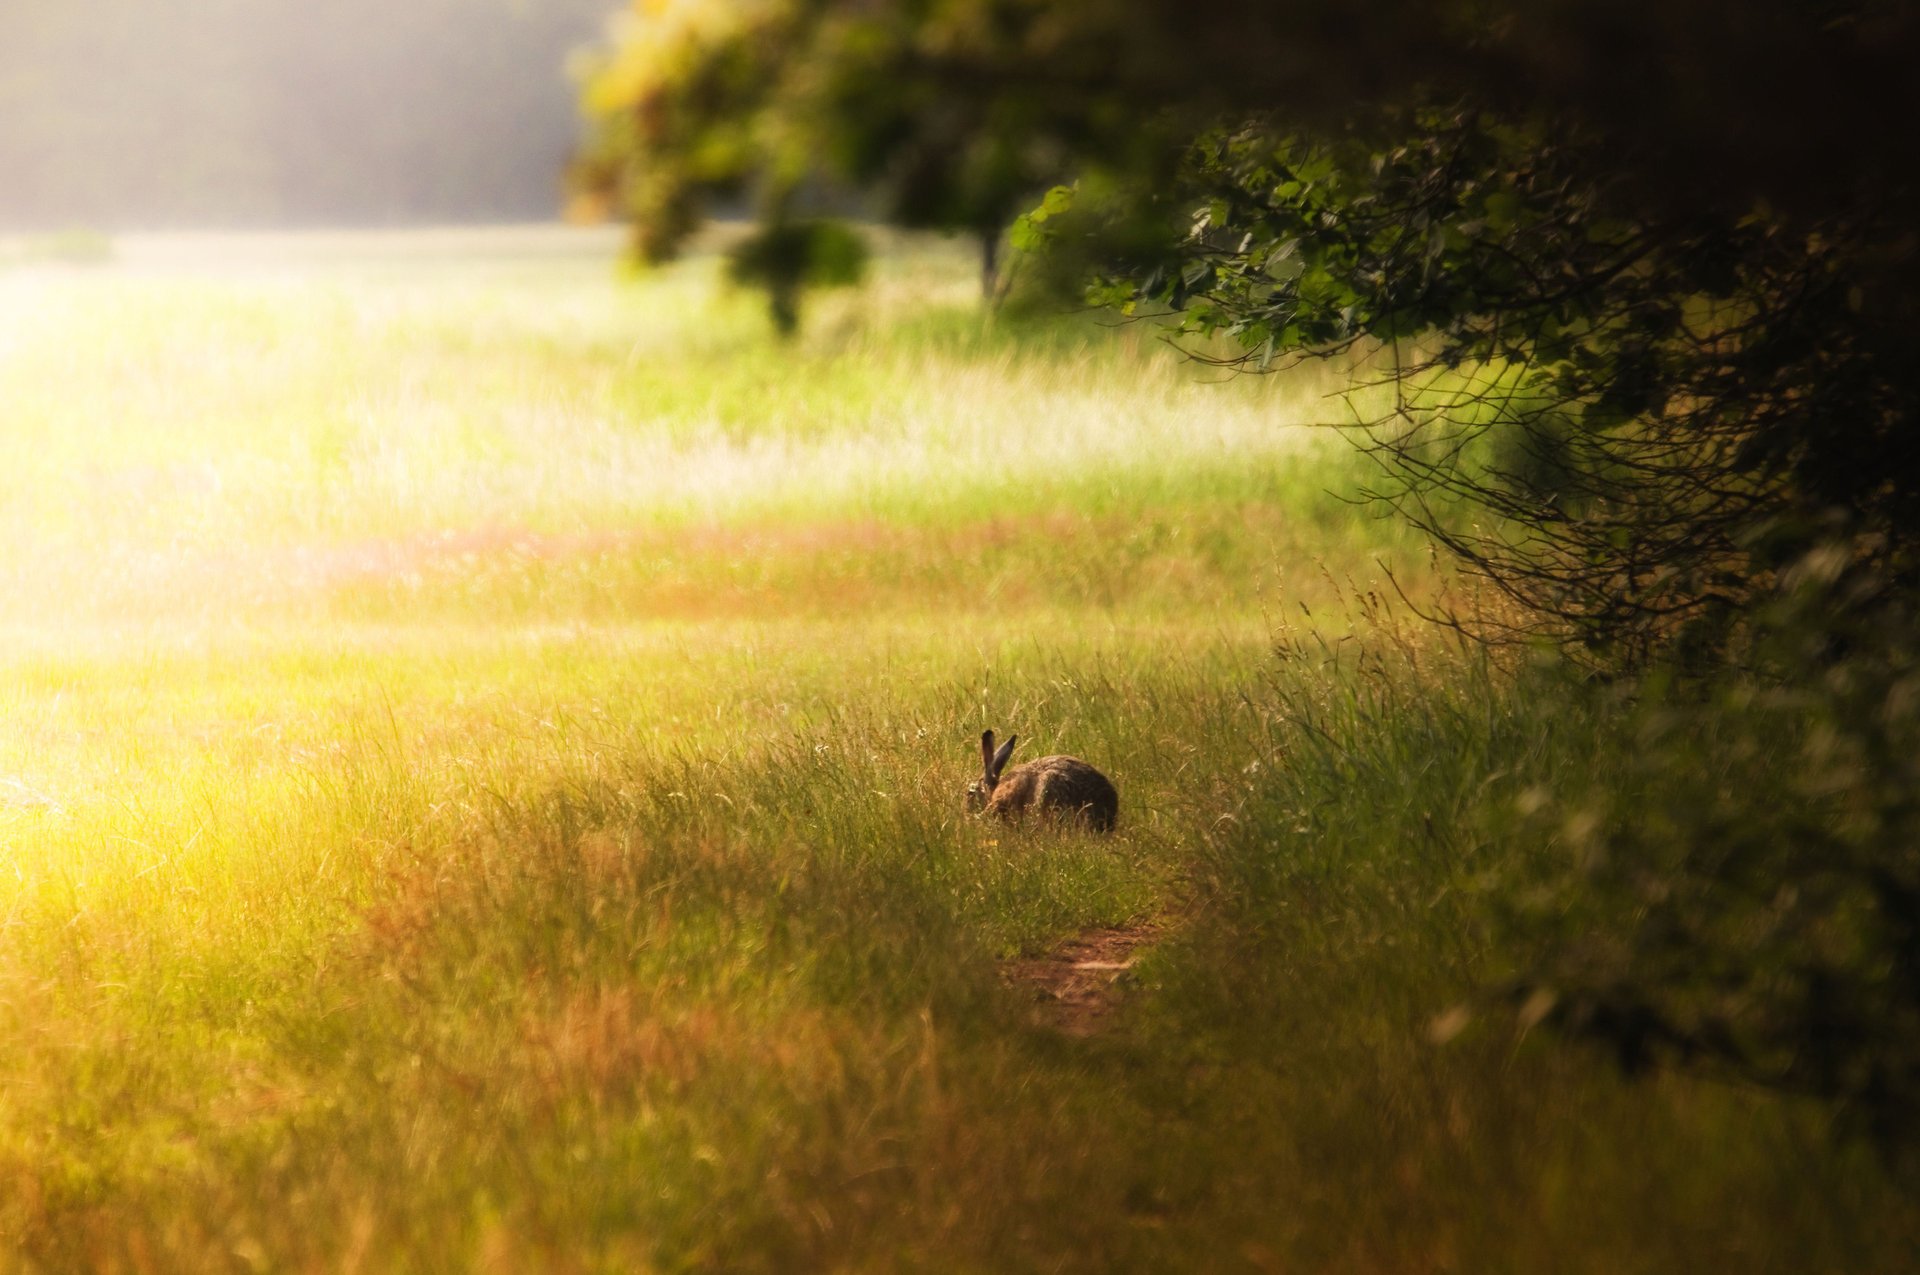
(481, 751)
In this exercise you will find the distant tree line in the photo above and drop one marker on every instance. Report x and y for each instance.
(118, 114)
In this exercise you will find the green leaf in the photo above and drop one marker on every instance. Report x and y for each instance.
(1503, 208)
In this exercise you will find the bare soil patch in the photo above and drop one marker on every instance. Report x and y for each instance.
(1077, 987)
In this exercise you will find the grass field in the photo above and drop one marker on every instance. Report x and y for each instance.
(481, 746)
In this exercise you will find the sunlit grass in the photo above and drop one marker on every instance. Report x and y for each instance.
(263, 498)
(481, 746)
(220, 448)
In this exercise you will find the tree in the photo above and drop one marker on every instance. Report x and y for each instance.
(787, 258)
(944, 116)
(1633, 420)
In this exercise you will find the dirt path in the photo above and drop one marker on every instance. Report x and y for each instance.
(1077, 987)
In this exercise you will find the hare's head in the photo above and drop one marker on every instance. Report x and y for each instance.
(992, 764)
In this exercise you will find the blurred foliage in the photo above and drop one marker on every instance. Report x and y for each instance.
(790, 256)
(930, 116)
(1631, 419)
(1739, 892)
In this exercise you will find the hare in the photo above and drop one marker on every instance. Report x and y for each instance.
(1059, 787)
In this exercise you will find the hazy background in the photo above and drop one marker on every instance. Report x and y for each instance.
(156, 114)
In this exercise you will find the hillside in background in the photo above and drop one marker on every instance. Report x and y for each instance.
(123, 114)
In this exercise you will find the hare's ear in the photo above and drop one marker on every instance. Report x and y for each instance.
(998, 762)
(986, 753)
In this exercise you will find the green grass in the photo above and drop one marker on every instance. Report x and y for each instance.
(480, 757)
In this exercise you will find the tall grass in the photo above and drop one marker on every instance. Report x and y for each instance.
(482, 760)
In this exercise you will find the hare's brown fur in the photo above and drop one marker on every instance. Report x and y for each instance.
(1057, 786)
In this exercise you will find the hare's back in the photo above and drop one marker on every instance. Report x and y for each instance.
(1063, 784)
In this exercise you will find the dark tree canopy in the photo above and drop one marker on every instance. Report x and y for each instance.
(1697, 102)
(1636, 421)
